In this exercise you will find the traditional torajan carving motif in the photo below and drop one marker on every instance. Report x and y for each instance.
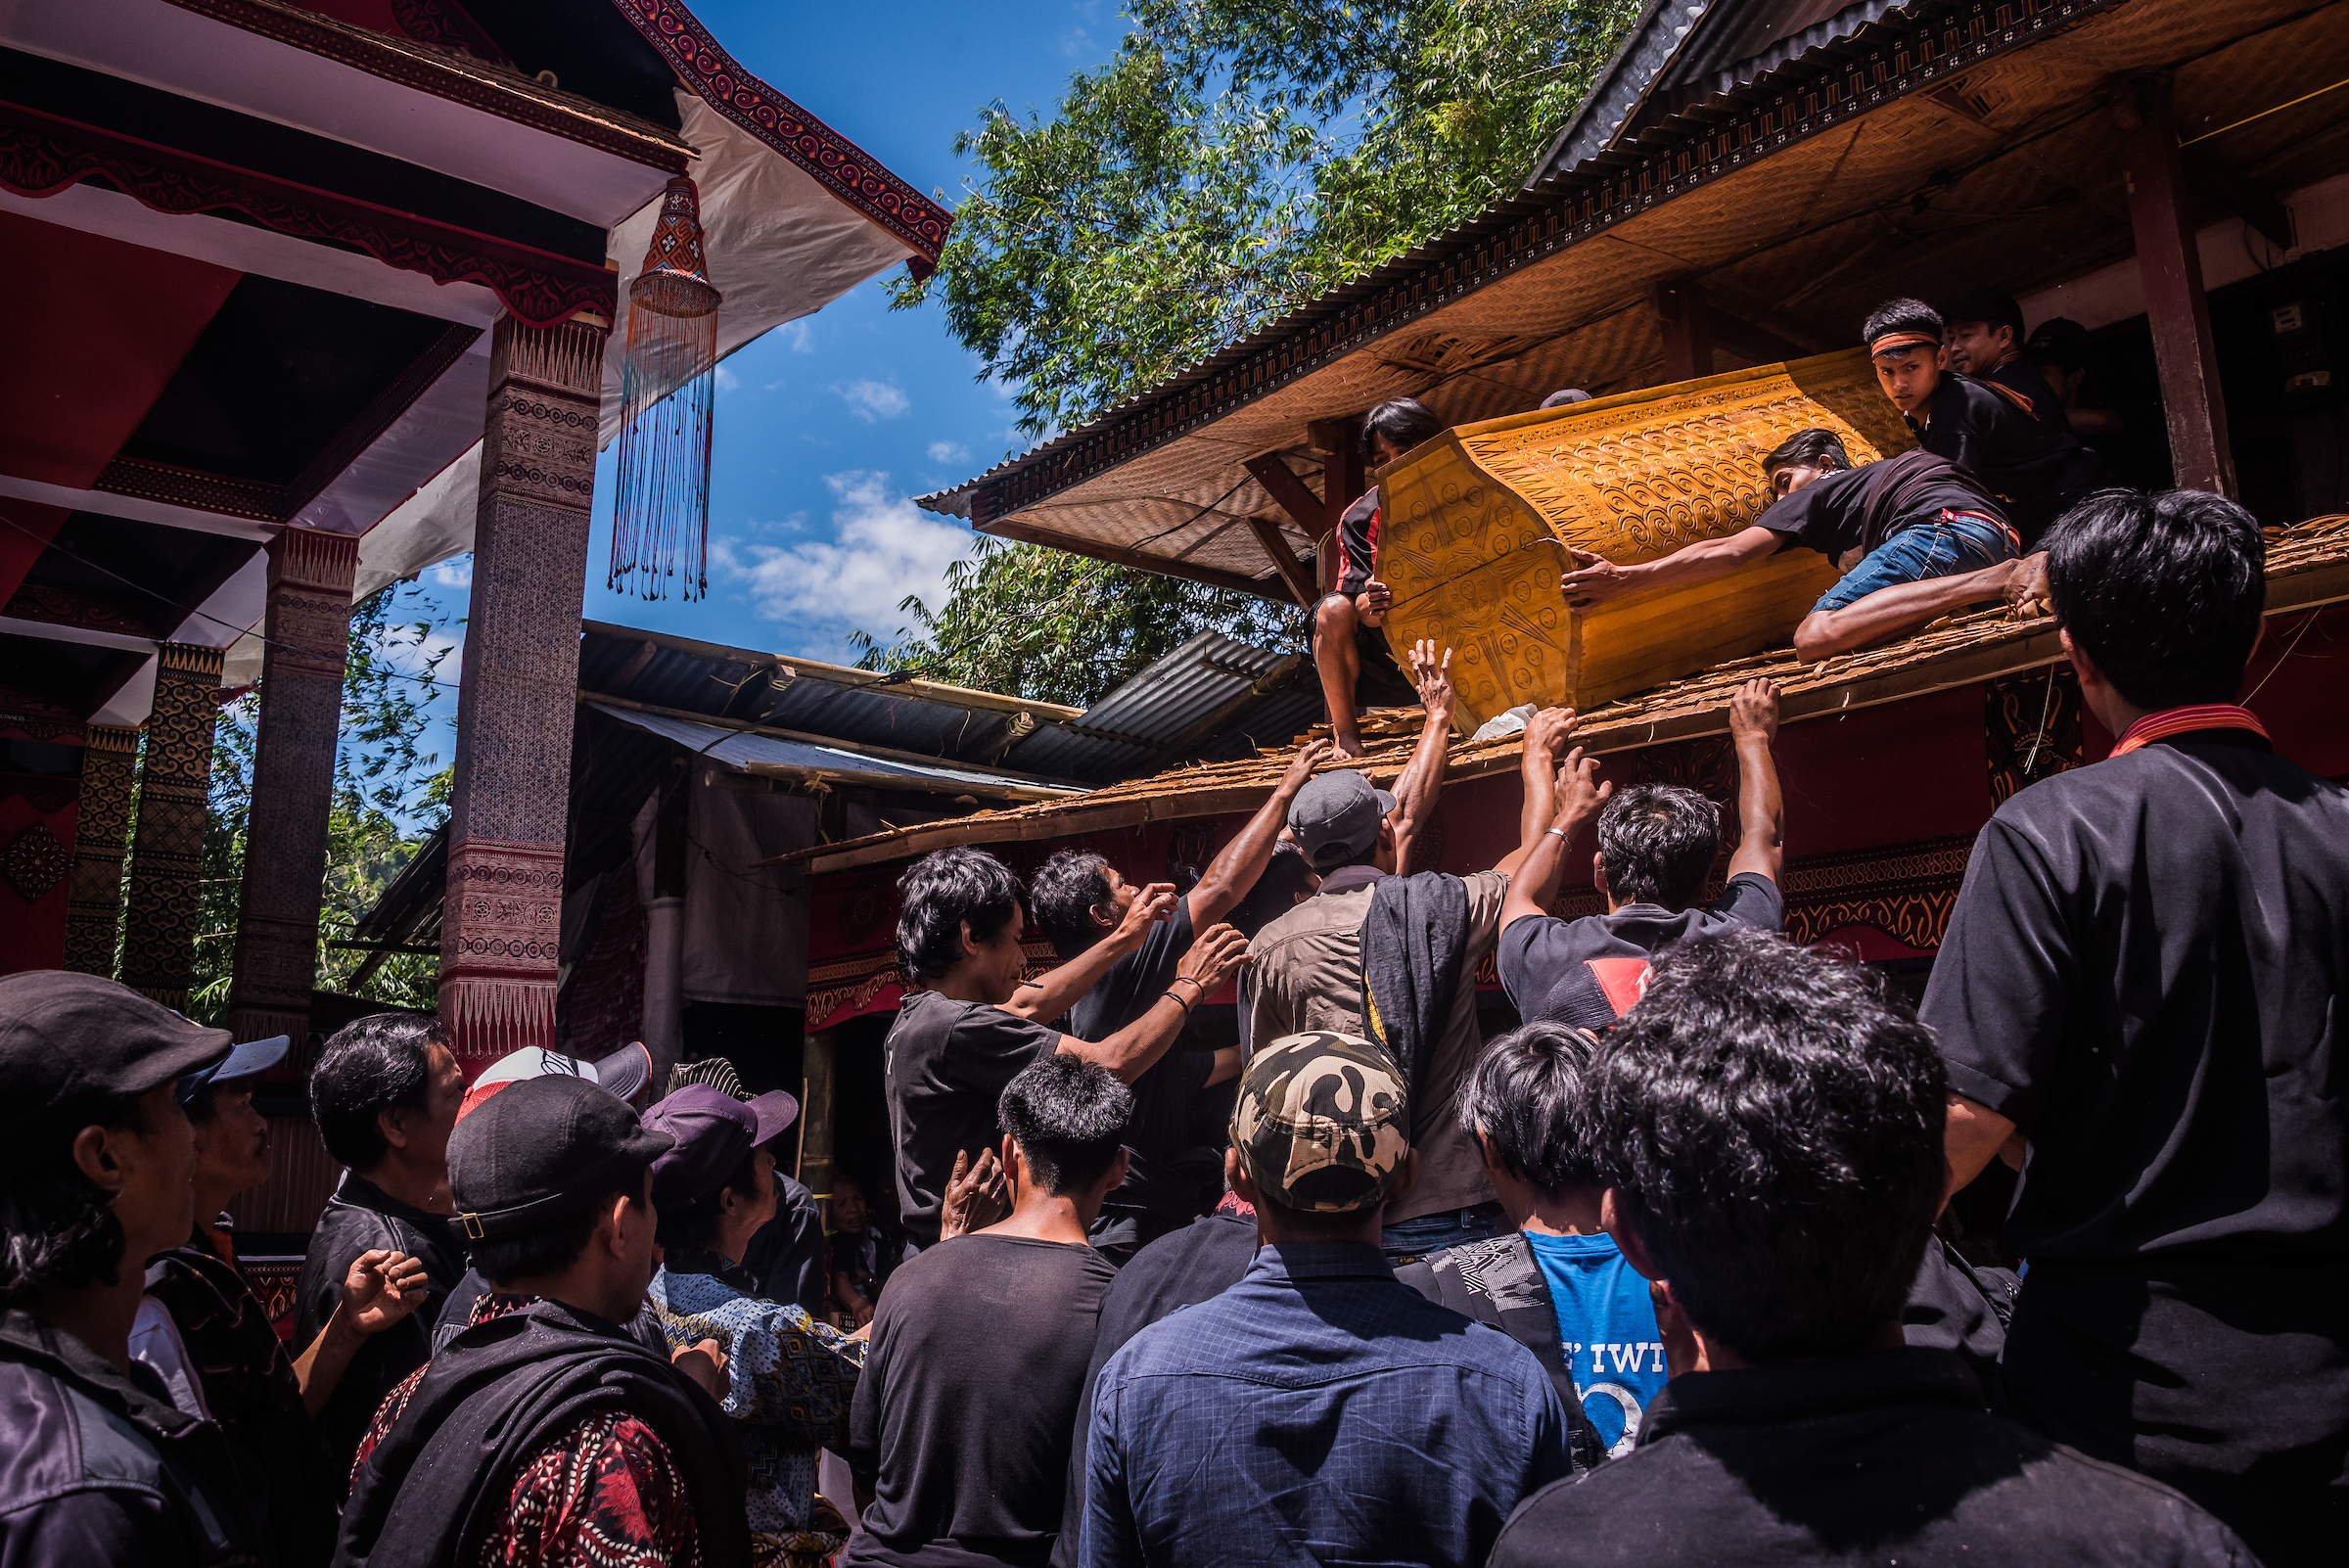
(167, 861)
(1474, 527)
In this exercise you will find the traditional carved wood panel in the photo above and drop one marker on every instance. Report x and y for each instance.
(94, 905)
(166, 859)
(1474, 525)
(502, 923)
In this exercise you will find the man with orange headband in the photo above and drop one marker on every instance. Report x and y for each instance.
(2139, 999)
(2038, 472)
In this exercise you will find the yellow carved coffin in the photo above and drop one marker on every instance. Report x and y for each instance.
(1473, 523)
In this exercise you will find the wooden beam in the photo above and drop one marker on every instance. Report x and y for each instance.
(1687, 329)
(1284, 560)
(1746, 341)
(2169, 266)
(1119, 555)
(1340, 444)
(1280, 482)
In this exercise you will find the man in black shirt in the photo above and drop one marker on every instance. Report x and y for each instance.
(2139, 997)
(956, 1044)
(961, 1423)
(1769, 1125)
(1079, 899)
(385, 1092)
(1985, 328)
(1656, 845)
(1917, 538)
(1985, 427)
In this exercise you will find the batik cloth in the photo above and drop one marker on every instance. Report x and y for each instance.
(790, 1380)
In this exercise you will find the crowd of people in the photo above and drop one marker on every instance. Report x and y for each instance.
(1670, 1272)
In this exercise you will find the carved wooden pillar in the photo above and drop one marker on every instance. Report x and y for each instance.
(2169, 266)
(110, 763)
(501, 922)
(166, 858)
(308, 627)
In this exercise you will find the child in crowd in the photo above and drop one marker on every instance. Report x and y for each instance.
(862, 1253)
(1986, 342)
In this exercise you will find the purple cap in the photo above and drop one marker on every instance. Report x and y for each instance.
(715, 1133)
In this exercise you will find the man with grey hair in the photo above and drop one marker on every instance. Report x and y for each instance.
(1656, 845)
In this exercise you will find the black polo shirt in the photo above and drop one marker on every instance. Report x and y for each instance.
(1882, 1457)
(2144, 972)
(1861, 507)
(2035, 472)
(2021, 377)
(945, 1063)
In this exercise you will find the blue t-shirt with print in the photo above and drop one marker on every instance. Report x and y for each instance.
(1607, 1329)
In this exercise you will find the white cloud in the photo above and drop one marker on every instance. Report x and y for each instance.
(875, 401)
(727, 381)
(456, 573)
(882, 548)
(799, 335)
(950, 452)
(1076, 41)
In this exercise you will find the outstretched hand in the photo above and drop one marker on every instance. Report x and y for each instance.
(382, 1288)
(706, 1364)
(975, 1195)
(1754, 710)
(1594, 581)
(1579, 793)
(1218, 950)
(1432, 674)
(1311, 755)
(1548, 730)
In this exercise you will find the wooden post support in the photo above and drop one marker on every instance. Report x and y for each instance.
(501, 921)
(166, 858)
(816, 1117)
(1687, 332)
(308, 627)
(2169, 268)
(110, 763)
(1340, 444)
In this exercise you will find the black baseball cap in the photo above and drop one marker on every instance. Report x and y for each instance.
(1336, 816)
(2058, 341)
(68, 1040)
(542, 1150)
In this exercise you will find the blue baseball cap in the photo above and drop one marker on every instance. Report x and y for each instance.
(242, 1061)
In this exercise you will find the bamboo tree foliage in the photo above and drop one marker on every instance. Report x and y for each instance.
(1234, 160)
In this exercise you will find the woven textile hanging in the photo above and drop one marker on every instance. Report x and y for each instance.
(667, 379)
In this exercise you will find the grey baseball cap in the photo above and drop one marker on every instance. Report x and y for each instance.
(1336, 816)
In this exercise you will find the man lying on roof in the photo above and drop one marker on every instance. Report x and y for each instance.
(1917, 537)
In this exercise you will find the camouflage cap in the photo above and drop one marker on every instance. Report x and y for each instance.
(1321, 1122)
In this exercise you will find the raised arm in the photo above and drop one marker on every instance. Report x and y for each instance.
(1234, 872)
(1422, 777)
(1046, 999)
(1596, 579)
(1761, 816)
(1133, 1050)
(1545, 734)
(1580, 797)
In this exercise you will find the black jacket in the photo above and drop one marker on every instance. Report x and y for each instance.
(97, 1470)
(360, 1217)
(2037, 473)
(502, 1392)
(1881, 1457)
(787, 1254)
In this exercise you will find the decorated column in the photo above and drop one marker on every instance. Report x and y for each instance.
(166, 858)
(308, 627)
(110, 762)
(501, 922)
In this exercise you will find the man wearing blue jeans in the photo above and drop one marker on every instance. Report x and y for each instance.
(1917, 537)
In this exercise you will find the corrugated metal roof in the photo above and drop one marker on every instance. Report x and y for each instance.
(753, 687)
(1211, 699)
(749, 750)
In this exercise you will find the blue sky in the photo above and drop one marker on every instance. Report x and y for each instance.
(827, 427)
